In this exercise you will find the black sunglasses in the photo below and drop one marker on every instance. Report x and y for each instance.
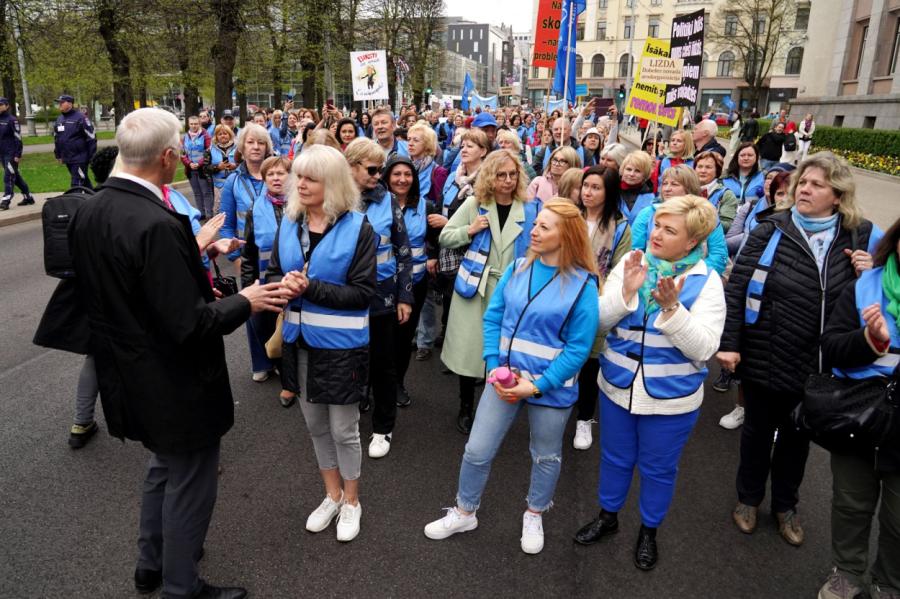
(373, 170)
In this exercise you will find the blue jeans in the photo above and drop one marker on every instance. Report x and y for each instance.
(654, 444)
(492, 421)
(765, 165)
(258, 358)
(429, 327)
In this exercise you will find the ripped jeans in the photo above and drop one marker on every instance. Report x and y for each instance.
(492, 421)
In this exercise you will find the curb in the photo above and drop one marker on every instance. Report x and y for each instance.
(34, 213)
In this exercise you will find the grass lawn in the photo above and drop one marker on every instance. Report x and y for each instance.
(48, 139)
(44, 174)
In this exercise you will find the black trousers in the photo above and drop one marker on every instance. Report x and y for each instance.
(588, 391)
(767, 412)
(382, 371)
(406, 332)
(179, 495)
(12, 178)
(79, 174)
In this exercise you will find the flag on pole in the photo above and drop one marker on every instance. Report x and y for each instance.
(565, 53)
(468, 88)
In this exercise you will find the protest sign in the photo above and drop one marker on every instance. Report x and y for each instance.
(687, 44)
(370, 75)
(546, 33)
(646, 99)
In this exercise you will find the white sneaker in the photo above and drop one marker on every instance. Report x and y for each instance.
(452, 522)
(324, 514)
(261, 376)
(733, 419)
(348, 522)
(379, 446)
(583, 437)
(532, 532)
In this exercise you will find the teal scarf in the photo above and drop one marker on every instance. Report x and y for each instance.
(657, 268)
(813, 225)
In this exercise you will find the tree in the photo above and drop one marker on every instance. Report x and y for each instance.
(229, 28)
(759, 31)
(8, 68)
(109, 23)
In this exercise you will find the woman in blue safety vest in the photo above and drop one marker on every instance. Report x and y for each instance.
(664, 311)
(194, 144)
(782, 289)
(862, 341)
(401, 179)
(708, 166)
(540, 324)
(681, 151)
(636, 189)
(493, 225)
(243, 188)
(610, 238)
(220, 161)
(324, 254)
(393, 299)
(743, 176)
(262, 222)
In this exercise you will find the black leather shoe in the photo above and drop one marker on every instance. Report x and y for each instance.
(645, 552)
(4, 205)
(601, 526)
(210, 592)
(147, 581)
(464, 421)
(403, 398)
(27, 201)
(366, 403)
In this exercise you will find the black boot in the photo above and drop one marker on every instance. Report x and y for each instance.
(604, 524)
(645, 552)
(403, 398)
(464, 419)
(26, 201)
(4, 205)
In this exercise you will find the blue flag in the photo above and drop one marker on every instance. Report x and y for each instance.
(468, 88)
(566, 47)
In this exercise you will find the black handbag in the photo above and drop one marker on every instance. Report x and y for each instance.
(848, 415)
(226, 285)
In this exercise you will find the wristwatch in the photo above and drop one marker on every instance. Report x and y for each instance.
(537, 392)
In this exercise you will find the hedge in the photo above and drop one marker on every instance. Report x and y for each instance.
(878, 142)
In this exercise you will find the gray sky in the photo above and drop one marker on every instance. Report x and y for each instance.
(494, 12)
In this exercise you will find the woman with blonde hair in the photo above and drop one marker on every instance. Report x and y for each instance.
(219, 161)
(664, 310)
(494, 225)
(546, 186)
(509, 140)
(540, 325)
(680, 151)
(324, 255)
(322, 136)
(636, 187)
(570, 185)
(422, 145)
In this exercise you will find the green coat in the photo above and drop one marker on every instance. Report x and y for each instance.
(463, 341)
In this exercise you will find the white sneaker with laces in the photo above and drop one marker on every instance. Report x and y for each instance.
(583, 436)
(322, 516)
(733, 419)
(379, 446)
(453, 522)
(261, 377)
(532, 532)
(348, 522)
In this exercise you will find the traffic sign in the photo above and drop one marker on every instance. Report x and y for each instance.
(581, 89)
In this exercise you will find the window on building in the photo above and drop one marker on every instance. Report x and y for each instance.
(453, 34)
(896, 49)
(579, 64)
(551, 73)
(579, 31)
(868, 122)
(535, 72)
(726, 64)
(731, 24)
(470, 34)
(794, 61)
(598, 65)
(655, 2)
(862, 47)
(629, 3)
(603, 4)
(653, 27)
(625, 65)
(627, 30)
(601, 30)
(457, 47)
(801, 21)
(759, 25)
(752, 64)
(474, 46)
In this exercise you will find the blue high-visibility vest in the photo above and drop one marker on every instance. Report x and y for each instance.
(750, 190)
(716, 196)
(381, 217)
(416, 223)
(869, 290)
(531, 331)
(635, 342)
(215, 157)
(194, 147)
(425, 179)
(265, 224)
(451, 190)
(471, 269)
(183, 206)
(323, 327)
(642, 201)
(757, 283)
(245, 195)
(666, 163)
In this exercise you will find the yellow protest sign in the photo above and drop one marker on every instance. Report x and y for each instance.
(647, 100)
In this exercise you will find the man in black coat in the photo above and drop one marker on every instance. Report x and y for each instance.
(704, 136)
(156, 335)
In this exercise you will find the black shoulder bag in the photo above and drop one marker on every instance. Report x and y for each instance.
(226, 285)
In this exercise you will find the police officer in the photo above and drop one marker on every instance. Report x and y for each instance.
(10, 154)
(75, 141)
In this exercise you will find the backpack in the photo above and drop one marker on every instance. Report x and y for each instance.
(56, 215)
(790, 143)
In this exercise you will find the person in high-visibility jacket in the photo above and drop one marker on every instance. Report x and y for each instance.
(664, 311)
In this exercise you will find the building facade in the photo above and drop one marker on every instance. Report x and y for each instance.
(610, 36)
(855, 81)
(484, 44)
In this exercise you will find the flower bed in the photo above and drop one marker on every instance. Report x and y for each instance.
(880, 164)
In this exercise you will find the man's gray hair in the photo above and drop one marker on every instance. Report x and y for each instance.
(143, 135)
(708, 126)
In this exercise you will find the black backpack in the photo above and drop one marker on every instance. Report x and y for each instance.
(56, 215)
(790, 142)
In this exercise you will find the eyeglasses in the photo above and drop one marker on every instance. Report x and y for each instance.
(510, 176)
(559, 162)
(373, 170)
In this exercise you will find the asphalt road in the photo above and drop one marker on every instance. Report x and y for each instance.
(69, 519)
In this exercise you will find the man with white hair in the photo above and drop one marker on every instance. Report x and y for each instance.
(156, 332)
(704, 136)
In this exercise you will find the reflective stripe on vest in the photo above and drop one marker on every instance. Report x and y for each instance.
(194, 147)
(215, 157)
(757, 283)
(264, 227)
(416, 226)
(381, 217)
(869, 290)
(323, 327)
(635, 343)
(531, 331)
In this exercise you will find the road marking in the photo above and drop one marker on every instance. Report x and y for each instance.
(26, 363)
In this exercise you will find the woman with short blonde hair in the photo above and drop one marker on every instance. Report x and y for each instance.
(636, 187)
(680, 151)
(570, 185)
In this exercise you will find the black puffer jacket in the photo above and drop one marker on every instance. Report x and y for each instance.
(781, 349)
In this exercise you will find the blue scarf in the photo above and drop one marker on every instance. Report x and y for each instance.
(657, 268)
(813, 225)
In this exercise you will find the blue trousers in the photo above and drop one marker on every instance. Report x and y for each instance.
(79, 174)
(654, 444)
(256, 338)
(12, 179)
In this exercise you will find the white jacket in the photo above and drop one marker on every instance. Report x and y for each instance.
(694, 332)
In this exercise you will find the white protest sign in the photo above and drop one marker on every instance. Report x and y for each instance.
(369, 74)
